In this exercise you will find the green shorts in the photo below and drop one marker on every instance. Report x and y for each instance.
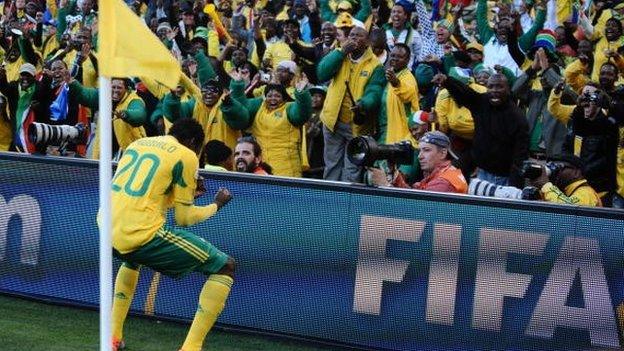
(176, 252)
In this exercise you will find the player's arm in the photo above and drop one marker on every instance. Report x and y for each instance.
(189, 214)
(185, 180)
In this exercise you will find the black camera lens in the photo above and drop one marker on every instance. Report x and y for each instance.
(530, 170)
(364, 151)
(359, 151)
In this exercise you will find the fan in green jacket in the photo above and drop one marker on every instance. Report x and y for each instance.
(274, 121)
(205, 110)
(356, 82)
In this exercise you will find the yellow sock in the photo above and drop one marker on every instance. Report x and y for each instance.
(211, 302)
(125, 284)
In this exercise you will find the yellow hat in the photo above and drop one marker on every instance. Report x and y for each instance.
(344, 20)
(474, 45)
(344, 5)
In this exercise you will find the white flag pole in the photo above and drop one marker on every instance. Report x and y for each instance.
(106, 255)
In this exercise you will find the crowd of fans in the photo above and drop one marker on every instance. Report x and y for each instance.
(520, 99)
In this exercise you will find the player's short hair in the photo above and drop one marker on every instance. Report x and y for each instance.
(188, 132)
(216, 152)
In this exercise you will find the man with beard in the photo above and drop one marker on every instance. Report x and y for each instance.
(501, 137)
(595, 136)
(497, 47)
(248, 157)
(357, 81)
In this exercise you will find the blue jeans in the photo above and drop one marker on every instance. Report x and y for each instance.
(492, 178)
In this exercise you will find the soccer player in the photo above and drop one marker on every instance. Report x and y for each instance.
(153, 175)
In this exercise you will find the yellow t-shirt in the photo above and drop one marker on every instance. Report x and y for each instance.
(153, 174)
(453, 117)
(278, 52)
(6, 134)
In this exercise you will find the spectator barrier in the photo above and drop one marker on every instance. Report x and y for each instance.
(378, 269)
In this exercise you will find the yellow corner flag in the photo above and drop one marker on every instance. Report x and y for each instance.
(127, 48)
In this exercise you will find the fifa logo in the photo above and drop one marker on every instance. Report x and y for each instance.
(575, 259)
(26, 208)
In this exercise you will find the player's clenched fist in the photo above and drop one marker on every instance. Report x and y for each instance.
(222, 197)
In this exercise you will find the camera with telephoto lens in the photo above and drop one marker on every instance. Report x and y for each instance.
(532, 170)
(364, 151)
(46, 134)
(481, 187)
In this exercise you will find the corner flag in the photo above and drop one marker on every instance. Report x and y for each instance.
(127, 47)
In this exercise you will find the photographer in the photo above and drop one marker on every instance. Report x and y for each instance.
(284, 75)
(78, 55)
(566, 184)
(18, 47)
(594, 135)
(435, 161)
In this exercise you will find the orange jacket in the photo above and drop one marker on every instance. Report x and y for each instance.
(444, 178)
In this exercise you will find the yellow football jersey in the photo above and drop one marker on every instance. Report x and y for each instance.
(153, 174)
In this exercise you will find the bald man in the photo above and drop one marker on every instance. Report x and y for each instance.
(501, 139)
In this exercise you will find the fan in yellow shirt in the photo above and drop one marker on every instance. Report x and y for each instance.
(565, 183)
(153, 175)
